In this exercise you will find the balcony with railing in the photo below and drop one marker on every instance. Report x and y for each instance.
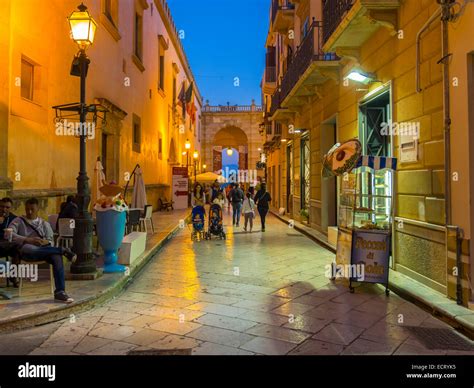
(349, 23)
(269, 80)
(308, 67)
(282, 15)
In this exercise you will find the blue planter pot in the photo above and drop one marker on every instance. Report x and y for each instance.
(110, 232)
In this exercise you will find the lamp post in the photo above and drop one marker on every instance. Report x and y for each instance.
(83, 29)
(196, 157)
(187, 146)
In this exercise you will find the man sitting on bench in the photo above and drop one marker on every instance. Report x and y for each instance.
(34, 236)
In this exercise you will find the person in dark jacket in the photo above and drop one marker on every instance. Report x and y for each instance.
(69, 209)
(7, 247)
(6, 217)
(237, 199)
(262, 200)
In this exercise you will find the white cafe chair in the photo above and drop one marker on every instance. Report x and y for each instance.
(66, 233)
(147, 218)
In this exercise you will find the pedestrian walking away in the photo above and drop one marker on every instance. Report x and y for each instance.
(236, 197)
(262, 199)
(248, 209)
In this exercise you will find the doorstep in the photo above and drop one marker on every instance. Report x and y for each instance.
(461, 318)
(37, 307)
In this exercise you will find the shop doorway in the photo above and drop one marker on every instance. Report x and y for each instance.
(328, 185)
(305, 173)
(375, 113)
(289, 179)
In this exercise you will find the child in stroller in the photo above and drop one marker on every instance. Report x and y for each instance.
(216, 227)
(198, 215)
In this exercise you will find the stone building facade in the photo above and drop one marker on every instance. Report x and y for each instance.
(138, 68)
(310, 104)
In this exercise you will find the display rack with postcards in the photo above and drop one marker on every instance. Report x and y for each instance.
(365, 213)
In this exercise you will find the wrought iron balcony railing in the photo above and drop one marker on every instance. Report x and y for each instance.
(310, 50)
(276, 101)
(270, 74)
(333, 13)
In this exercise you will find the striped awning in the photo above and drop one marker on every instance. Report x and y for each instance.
(377, 162)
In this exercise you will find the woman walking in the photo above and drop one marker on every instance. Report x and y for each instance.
(198, 197)
(249, 212)
(262, 199)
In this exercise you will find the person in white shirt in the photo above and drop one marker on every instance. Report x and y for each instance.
(248, 209)
(219, 200)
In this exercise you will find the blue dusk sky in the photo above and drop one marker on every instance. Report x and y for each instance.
(224, 39)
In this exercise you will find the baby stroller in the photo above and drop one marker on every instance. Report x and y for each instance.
(198, 215)
(216, 227)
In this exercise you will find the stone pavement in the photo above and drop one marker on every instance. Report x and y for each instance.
(259, 293)
(37, 306)
(459, 317)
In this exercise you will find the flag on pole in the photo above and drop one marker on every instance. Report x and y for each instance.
(189, 94)
(182, 99)
(192, 112)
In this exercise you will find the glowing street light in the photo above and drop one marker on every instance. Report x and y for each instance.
(83, 27)
(359, 76)
(196, 157)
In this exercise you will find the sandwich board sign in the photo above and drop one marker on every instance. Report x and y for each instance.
(180, 187)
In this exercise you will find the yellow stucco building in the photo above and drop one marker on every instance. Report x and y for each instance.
(137, 71)
(312, 102)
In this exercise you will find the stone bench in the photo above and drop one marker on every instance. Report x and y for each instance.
(133, 245)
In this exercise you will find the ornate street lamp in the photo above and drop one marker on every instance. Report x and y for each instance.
(83, 28)
(196, 157)
(230, 151)
(187, 146)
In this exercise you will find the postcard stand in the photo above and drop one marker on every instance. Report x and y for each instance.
(365, 222)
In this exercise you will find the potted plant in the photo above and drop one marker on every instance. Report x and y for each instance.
(305, 215)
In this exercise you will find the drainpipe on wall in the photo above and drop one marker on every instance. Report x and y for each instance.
(444, 11)
(445, 6)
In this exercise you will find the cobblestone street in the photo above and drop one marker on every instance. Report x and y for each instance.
(255, 293)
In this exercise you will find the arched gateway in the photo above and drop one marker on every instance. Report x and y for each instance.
(231, 142)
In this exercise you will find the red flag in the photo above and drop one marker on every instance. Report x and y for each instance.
(191, 109)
